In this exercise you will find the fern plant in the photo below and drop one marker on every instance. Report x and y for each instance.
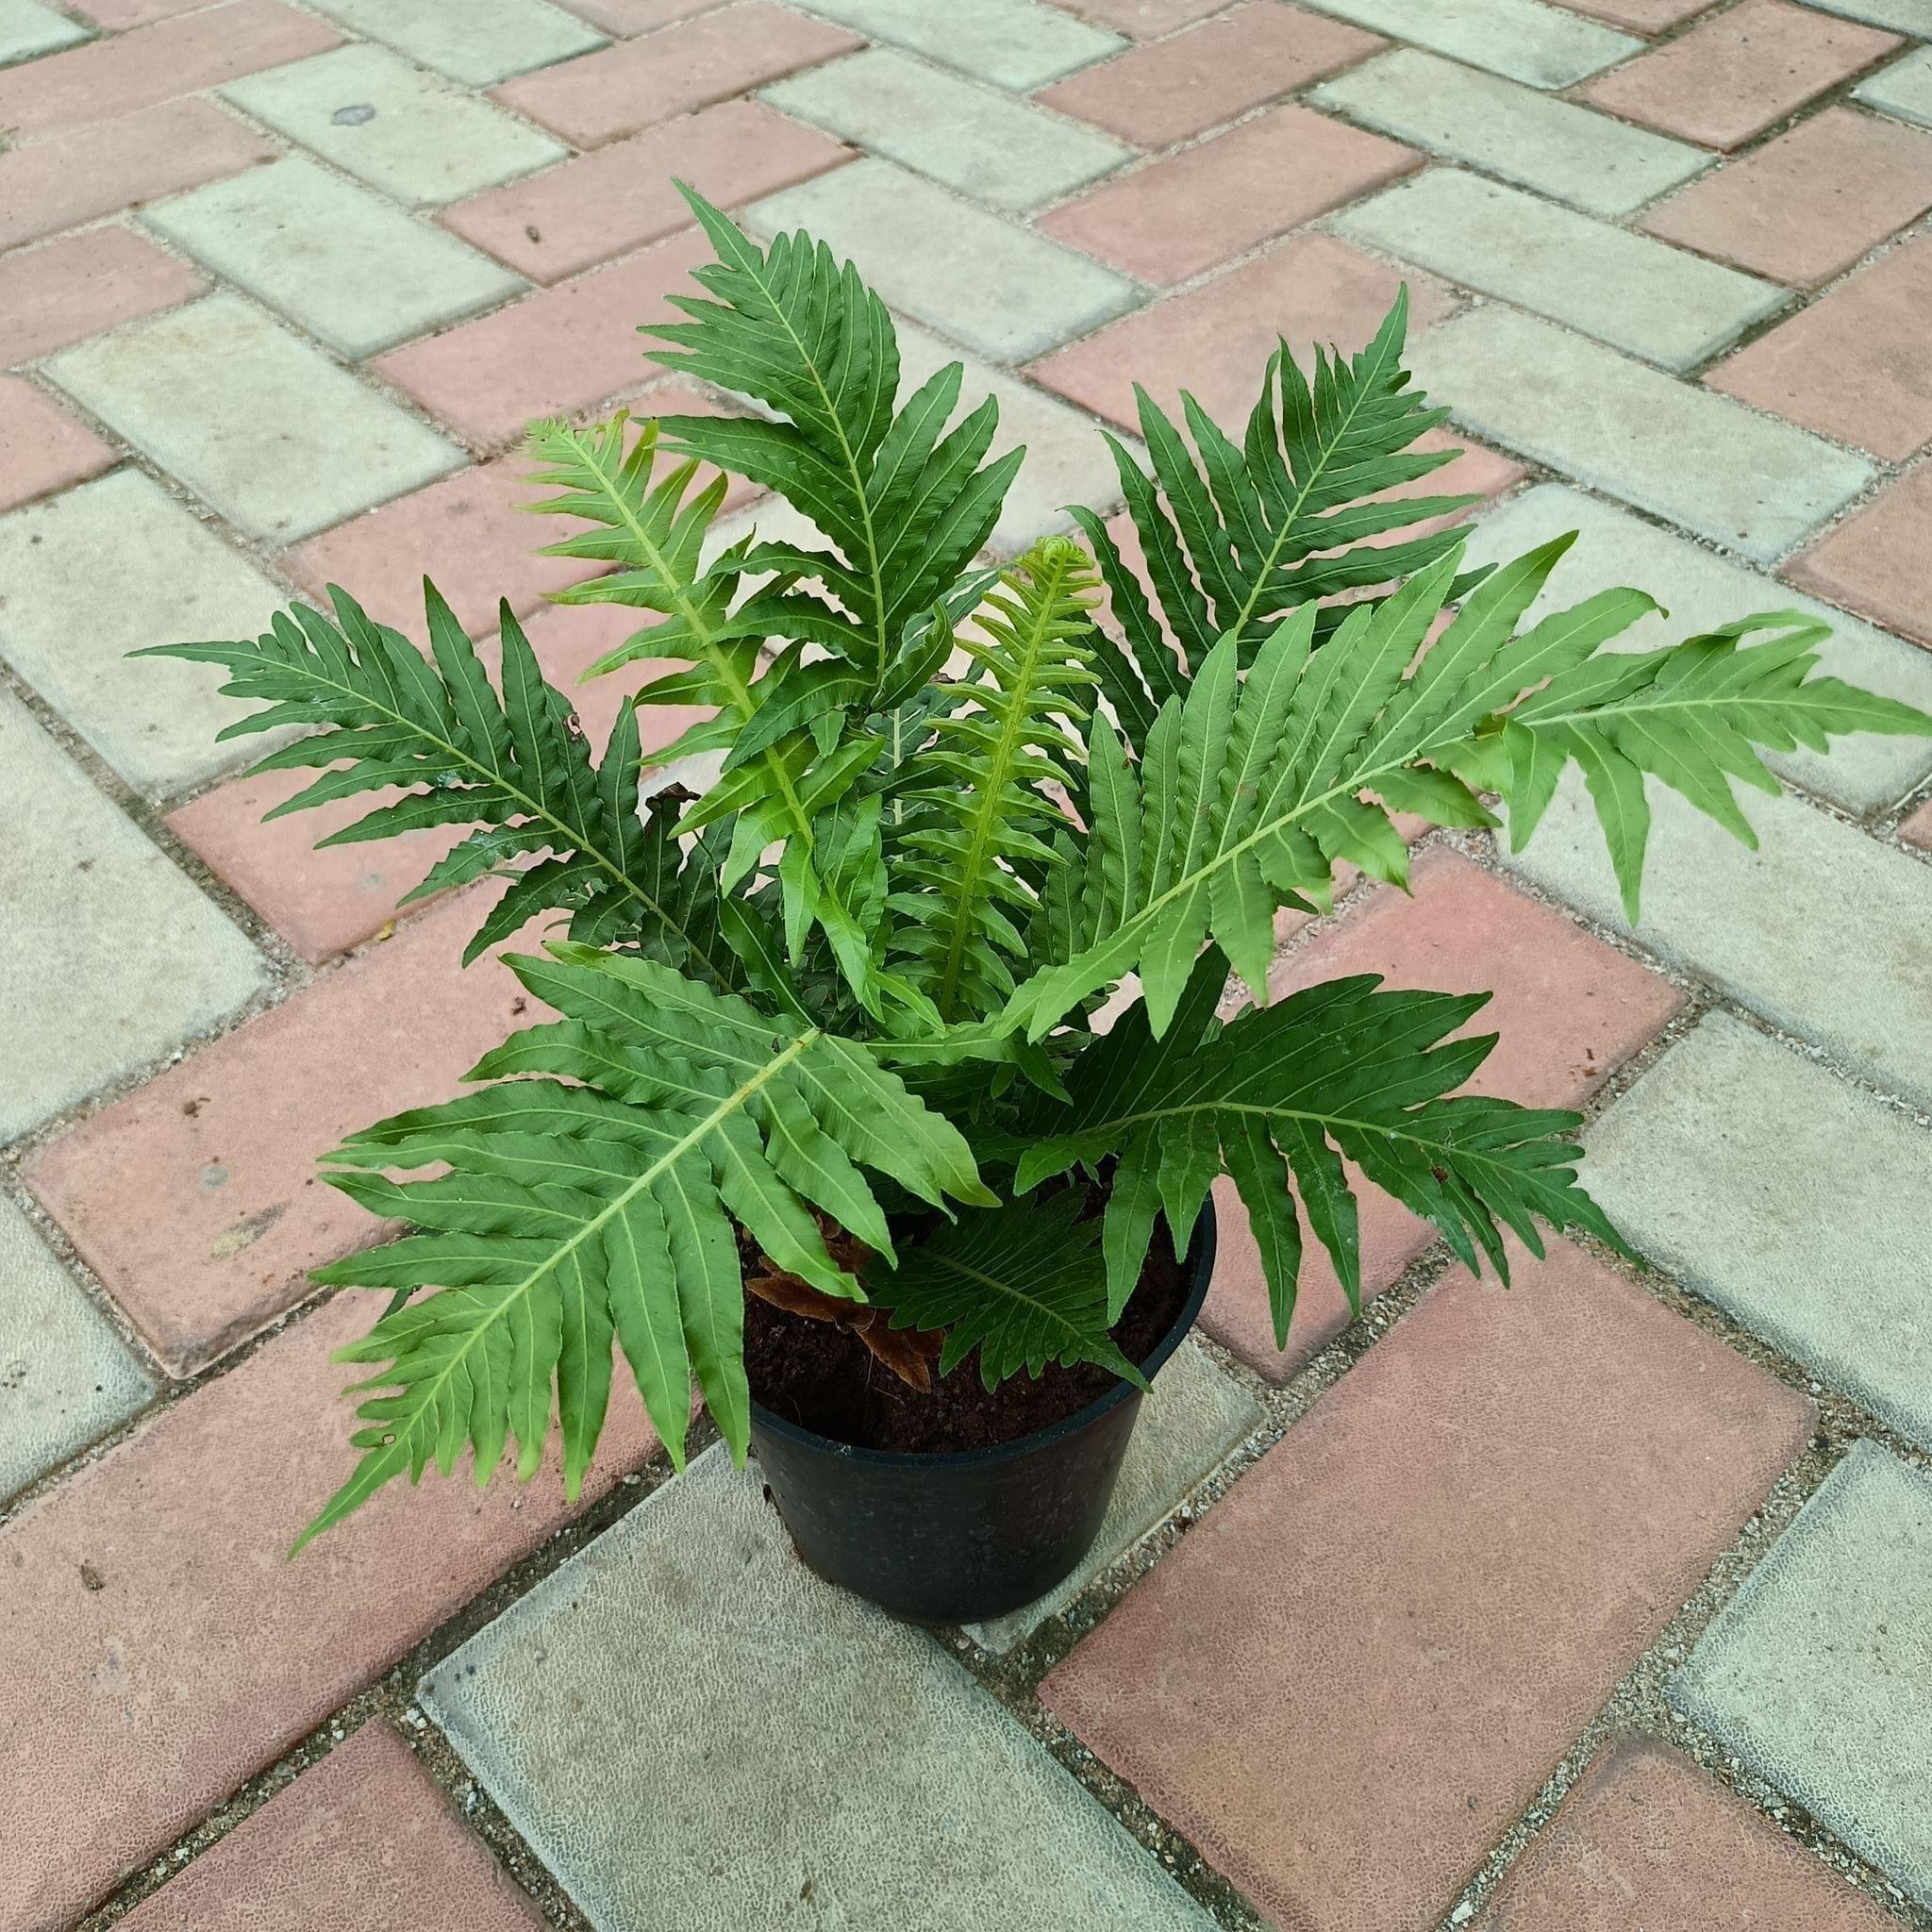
(827, 1030)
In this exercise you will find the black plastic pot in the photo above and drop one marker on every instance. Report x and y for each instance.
(967, 1534)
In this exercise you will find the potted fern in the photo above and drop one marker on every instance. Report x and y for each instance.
(824, 1121)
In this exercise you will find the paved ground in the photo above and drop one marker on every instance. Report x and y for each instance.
(1601, 1604)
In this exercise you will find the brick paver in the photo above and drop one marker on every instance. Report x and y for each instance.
(68, 1378)
(629, 1742)
(1740, 72)
(1879, 562)
(623, 197)
(196, 1200)
(1205, 205)
(1568, 1009)
(1509, 1496)
(1176, 88)
(1556, 147)
(281, 280)
(65, 290)
(1792, 1199)
(362, 1838)
(1648, 1839)
(1816, 1674)
(205, 1654)
(1805, 207)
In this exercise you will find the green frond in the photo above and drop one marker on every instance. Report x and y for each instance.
(1024, 1284)
(904, 502)
(595, 1200)
(963, 860)
(1234, 538)
(1251, 790)
(379, 714)
(1279, 1099)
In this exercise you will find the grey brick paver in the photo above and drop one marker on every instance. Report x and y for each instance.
(28, 28)
(1820, 930)
(284, 444)
(473, 40)
(1195, 1416)
(1819, 1673)
(1002, 291)
(1792, 1199)
(1700, 591)
(1635, 294)
(66, 1378)
(348, 266)
(1903, 90)
(1706, 462)
(1524, 40)
(1014, 44)
(692, 1731)
(976, 139)
(391, 123)
(1902, 16)
(67, 623)
(112, 957)
(1602, 166)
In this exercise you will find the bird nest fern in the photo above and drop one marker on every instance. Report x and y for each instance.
(839, 1008)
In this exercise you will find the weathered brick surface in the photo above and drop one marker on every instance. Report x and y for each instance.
(1014, 44)
(1509, 1496)
(82, 286)
(122, 74)
(28, 28)
(1740, 72)
(1165, 92)
(1142, 20)
(1546, 46)
(1879, 562)
(1917, 827)
(559, 353)
(205, 1654)
(362, 1838)
(195, 1199)
(1648, 1839)
(624, 198)
(41, 447)
(1568, 1009)
(635, 84)
(1903, 88)
(481, 41)
(1176, 217)
(1805, 207)
(1851, 365)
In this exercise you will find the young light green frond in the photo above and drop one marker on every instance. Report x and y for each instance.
(515, 766)
(1307, 757)
(1279, 1099)
(904, 501)
(597, 1201)
(965, 858)
(1024, 1284)
(1234, 538)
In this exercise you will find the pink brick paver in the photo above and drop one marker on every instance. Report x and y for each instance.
(1879, 562)
(1805, 207)
(1345, 1683)
(75, 177)
(118, 15)
(64, 291)
(564, 351)
(1217, 339)
(1648, 1840)
(1568, 1009)
(1142, 20)
(1204, 205)
(1853, 365)
(195, 1198)
(362, 1839)
(41, 447)
(621, 197)
(124, 73)
(1740, 72)
(622, 17)
(158, 1648)
(1639, 16)
(1162, 93)
(636, 84)
(1917, 828)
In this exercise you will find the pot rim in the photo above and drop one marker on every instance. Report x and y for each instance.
(1201, 1249)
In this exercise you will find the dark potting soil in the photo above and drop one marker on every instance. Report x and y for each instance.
(823, 1378)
